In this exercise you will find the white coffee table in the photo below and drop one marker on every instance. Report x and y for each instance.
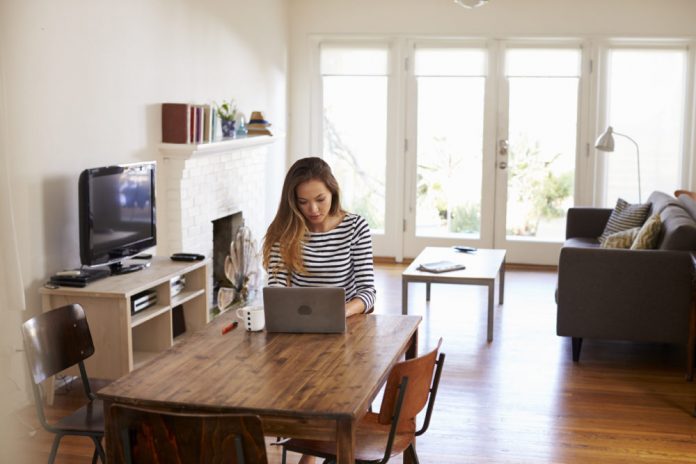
(482, 267)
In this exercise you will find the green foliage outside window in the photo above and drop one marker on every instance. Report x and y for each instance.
(536, 188)
(466, 219)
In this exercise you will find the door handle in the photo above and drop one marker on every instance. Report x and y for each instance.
(502, 165)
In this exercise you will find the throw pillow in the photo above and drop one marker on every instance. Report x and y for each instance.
(625, 216)
(623, 239)
(648, 234)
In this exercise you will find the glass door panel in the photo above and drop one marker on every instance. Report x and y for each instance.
(536, 152)
(542, 145)
(449, 156)
(355, 142)
(354, 126)
(447, 162)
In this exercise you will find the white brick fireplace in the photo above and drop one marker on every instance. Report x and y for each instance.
(200, 183)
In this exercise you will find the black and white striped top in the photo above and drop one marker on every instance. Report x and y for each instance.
(341, 257)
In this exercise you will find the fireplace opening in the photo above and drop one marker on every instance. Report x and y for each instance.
(224, 230)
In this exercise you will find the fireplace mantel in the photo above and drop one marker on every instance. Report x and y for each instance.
(198, 183)
(189, 150)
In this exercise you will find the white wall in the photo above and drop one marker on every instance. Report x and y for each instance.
(83, 81)
(500, 18)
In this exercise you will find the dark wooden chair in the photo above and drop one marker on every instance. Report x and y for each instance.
(55, 341)
(379, 436)
(146, 436)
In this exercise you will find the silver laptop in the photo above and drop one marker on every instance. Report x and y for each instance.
(305, 309)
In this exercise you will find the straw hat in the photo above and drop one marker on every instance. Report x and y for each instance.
(257, 118)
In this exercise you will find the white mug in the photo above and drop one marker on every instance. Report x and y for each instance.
(252, 317)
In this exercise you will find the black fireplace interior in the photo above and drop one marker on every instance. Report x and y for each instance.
(224, 230)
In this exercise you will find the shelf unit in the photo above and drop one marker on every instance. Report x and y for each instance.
(124, 341)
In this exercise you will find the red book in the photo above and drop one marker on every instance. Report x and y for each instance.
(192, 128)
(175, 123)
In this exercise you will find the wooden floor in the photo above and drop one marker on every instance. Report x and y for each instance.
(519, 399)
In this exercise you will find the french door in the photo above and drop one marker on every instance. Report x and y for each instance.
(495, 131)
(537, 148)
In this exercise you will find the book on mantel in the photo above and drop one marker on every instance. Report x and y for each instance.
(176, 123)
(189, 123)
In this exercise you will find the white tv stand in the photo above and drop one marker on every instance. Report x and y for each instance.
(123, 342)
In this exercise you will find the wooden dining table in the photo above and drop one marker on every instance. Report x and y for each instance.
(314, 386)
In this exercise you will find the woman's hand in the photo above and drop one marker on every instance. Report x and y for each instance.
(355, 306)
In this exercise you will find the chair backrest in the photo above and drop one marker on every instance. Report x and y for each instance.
(421, 386)
(56, 340)
(147, 436)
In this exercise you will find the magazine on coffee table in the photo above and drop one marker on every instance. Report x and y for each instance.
(438, 267)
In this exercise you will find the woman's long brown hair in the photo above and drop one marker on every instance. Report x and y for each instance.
(289, 227)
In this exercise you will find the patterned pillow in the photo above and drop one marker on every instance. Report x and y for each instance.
(646, 239)
(625, 216)
(623, 239)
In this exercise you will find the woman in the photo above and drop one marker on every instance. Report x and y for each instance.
(313, 242)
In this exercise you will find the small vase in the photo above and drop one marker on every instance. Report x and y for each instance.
(228, 128)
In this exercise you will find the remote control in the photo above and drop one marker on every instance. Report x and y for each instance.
(183, 258)
(187, 257)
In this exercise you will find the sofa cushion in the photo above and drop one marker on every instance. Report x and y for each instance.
(660, 200)
(646, 238)
(678, 230)
(581, 242)
(625, 216)
(689, 204)
(623, 239)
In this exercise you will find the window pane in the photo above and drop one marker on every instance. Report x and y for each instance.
(541, 165)
(542, 62)
(355, 142)
(449, 156)
(450, 62)
(646, 93)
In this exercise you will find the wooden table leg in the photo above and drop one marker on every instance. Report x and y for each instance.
(404, 296)
(691, 343)
(412, 350)
(491, 295)
(345, 441)
(501, 284)
(109, 433)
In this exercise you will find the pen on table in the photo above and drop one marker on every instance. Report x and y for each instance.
(229, 328)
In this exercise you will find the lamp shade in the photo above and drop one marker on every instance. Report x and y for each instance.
(605, 142)
(470, 3)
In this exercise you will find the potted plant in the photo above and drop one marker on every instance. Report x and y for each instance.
(227, 112)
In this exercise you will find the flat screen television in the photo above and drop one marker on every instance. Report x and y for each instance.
(117, 214)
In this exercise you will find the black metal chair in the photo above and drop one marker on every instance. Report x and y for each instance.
(55, 341)
(379, 436)
(147, 436)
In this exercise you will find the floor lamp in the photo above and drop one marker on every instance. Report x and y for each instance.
(605, 142)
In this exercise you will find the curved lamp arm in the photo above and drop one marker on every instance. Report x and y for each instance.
(637, 162)
(605, 142)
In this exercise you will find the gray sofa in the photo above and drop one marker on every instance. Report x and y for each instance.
(621, 294)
